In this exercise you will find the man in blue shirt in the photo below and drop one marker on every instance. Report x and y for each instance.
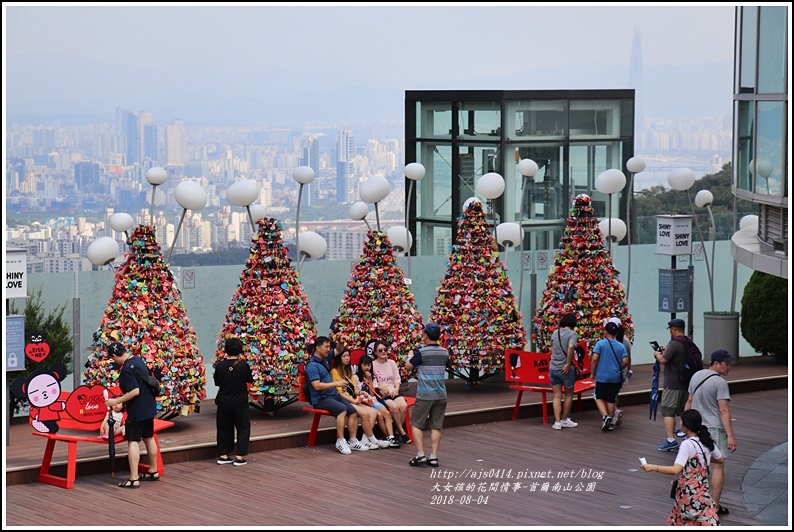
(609, 359)
(323, 394)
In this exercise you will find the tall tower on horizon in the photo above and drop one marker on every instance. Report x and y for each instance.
(636, 83)
(344, 167)
(311, 158)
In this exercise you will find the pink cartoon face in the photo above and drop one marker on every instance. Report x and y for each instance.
(43, 390)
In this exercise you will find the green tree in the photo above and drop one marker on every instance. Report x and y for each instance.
(52, 328)
(764, 309)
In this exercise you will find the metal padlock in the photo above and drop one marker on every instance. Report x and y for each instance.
(12, 360)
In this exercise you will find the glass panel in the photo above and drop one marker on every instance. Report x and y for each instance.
(474, 161)
(749, 36)
(477, 119)
(744, 144)
(594, 118)
(434, 192)
(544, 196)
(769, 154)
(434, 119)
(537, 118)
(772, 50)
(434, 239)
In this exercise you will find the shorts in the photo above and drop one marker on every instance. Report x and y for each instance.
(377, 405)
(430, 413)
(607, 391)
(673, 402)
(720, 438)
(336, 405)
(137, 430)
(557, 377)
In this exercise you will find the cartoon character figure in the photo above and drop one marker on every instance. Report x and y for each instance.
(42, 388)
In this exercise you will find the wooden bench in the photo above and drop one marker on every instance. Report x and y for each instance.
(318, 412)
(85, 410)
(528, 371)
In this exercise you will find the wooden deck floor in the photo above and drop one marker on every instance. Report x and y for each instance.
(594, 481)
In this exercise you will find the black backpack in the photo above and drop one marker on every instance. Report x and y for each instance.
(693, 360)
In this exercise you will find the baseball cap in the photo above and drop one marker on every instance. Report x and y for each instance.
(720, 355)
(615, 320)
(433, 330)
(116, 349)
(611, 327)
(678, 323)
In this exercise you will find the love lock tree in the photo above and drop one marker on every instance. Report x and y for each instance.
(583, 280)
(475, 305)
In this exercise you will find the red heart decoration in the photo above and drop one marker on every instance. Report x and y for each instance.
(87, 404)
(37, 351)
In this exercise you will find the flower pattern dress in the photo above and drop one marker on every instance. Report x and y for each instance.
(693, 503)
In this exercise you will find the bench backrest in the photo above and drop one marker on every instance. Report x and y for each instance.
(533, 367)
(85, 407)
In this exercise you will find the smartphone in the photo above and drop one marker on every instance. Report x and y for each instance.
(642, 460)
(655, 346)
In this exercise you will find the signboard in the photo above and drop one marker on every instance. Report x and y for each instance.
(698, 251)
(16, 273)
(526, 261)
(674, 234)
(673, 290)
(189, 279)
(15, 343)
(543, 260)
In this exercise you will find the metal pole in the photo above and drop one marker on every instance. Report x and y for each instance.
(628, 242)
(250, 218)
(76, 332)
(705, 255)
(521, 242)
(407, 232)
(179, 228)
(609, 225)
(690, 314)
(377, 216)
(151, 211)
(297, 222)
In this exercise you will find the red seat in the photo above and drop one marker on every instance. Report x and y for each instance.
(529, 372)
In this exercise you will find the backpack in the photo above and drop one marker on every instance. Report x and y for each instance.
(306, 384)
(693, 360)
(150, 380)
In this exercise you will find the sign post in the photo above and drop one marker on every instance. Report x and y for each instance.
(674, 237)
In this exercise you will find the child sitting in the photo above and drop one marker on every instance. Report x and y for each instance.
(116, 412)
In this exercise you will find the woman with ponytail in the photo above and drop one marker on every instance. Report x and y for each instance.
(693, 503)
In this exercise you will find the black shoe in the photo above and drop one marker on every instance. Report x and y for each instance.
(721, 510)
(606, 421)
(221, 460)
(405, 438)
(418, 461)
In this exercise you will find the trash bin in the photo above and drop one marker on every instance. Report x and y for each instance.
(720, 331)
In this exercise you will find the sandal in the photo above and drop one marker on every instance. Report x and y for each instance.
(404, 437)
(418, 461)
(150, 476)
(432, 462)
(131, 484)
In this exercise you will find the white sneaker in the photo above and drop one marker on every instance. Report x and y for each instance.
(371, 445)
(382, 444)
(356, 445)
(342, 447)
(617, 419)
(557, 425)
(568, 424)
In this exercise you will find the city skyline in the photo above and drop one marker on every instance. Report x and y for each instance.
(269, 65)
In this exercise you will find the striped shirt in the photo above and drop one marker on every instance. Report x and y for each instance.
(430, 362)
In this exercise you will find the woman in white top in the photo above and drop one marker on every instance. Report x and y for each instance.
(693, 503)
(387, 378)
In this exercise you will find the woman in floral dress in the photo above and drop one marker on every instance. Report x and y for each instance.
(693, 503)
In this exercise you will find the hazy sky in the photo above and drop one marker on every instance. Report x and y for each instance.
(92, 52)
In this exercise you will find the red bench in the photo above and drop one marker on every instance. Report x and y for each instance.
(84, 406)
(529, 372)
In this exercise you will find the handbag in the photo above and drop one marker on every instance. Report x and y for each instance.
(673, 488)
(674, 485)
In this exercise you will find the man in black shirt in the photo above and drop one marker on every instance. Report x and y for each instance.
(232, 376)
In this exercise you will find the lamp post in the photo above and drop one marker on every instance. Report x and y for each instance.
(400, 238)
(303, 175)
(155, 176)
(256, 212)
(608, 182)
(491, 186)
(683, 179)
(612, 230)
(313, 246)
(528, 169)
(704, 198)
(635, 165)
(508, 235)
(102, 251)
(121, 223)
(189, 195)
(242, 194)
(413, 172)
(374, 190)
(359, 211)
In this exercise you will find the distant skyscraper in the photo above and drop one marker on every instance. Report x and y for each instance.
(311, 158)
(128, 126)
(636, 82)
(176, 143)
(344, 167)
